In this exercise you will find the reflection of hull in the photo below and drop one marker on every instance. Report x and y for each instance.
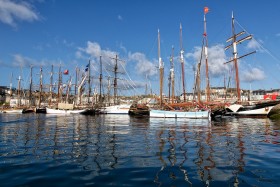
(116, 109)
(179, 114)
(59, 111)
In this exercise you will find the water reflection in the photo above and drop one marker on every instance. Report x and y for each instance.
(90, 150)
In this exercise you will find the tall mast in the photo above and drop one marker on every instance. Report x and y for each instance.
(206, 56)
(11, 85)
(58, 85)
(115, 80)
(50, 88)
(172, 76)
(76, 81)
(19, 91)
(89, 86)
(100, 81)
(41, 87)
(182, 62)
(30, 87)
(235, 58)
(161, 69)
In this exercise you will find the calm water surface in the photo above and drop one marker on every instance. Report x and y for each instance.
(110, 150)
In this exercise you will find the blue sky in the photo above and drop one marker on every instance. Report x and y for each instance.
(70, 32)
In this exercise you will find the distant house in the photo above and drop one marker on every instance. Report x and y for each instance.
(4, 94)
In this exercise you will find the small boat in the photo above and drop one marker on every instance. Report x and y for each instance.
(180, 114)
(254, 110)
(64, 111)
(116, 109)
(12, 111)
(139, 110)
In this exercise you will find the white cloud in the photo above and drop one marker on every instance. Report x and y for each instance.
(253, 74)
(120, 17)
(254, 44)
(143, 66)
(216, 59)
(11, 11)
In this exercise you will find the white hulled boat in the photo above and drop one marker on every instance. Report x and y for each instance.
(116, 109)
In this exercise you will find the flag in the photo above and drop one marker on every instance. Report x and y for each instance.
(66, 72)
(206, 10)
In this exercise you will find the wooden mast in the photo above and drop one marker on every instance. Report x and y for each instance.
(19, 91)
(100, 82)
(50, 89)
(182, 62)
(172, 76)
(30, 87)
(89, 86)
(206, 57)
(161, 69)
(115, 80)
(41, 87)
(235, 58)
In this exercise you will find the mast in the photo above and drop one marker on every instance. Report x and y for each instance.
(206, 56)
(51, 84)
(100, 82)
(89, 86)
(182, 62)
(172, 76)
(161, 69)
(19, 91)
(68, 89)
(41, 87)
(30, 87)
(235, 58)
(115, 80)
(11, 85)
(76, 81)
(58, 85)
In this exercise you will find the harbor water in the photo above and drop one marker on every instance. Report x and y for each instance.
(119, 150)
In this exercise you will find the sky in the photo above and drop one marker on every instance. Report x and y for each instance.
(70, 33)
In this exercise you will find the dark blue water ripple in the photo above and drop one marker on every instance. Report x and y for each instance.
(49, 150)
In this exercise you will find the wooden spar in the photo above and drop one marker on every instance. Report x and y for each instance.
(41, 87)
(59, 84)
(11, 85)
(206, 61)
(182, 62)
(89, 86)
(235, 58)
(50, 88)
(115, 80)
(161, 69)
(172, 77)
(30, 87)
(19, 91)
(100, 82)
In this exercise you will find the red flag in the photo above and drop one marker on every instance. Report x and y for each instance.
(206, 10)
(66, 72)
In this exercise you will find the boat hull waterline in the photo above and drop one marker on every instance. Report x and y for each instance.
(180, 114)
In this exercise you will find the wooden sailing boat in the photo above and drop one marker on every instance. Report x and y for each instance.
(170, 112)
(64, 107)
(240, 109)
